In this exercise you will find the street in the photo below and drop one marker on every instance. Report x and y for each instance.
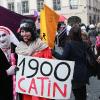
(93, 90)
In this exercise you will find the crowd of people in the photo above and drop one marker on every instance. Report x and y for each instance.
(75, 43)
(81, 43)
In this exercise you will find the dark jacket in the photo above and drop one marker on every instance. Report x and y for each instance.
(6, 83)
(75, 51)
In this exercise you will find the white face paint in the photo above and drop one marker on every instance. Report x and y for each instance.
(4, 40)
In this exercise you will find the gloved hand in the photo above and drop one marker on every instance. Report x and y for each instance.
(11, 70)
(16, 69)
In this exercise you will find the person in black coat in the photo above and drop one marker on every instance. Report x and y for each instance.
(6, 69)
(75, 50)
(6, 82)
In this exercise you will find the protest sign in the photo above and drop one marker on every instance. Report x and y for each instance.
(49, 78)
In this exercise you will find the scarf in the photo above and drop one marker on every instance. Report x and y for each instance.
(32, 48)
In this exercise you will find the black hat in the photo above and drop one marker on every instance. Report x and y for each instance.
(27, 24)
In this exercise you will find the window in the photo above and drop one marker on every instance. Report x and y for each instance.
(94, 18)
(89, 7)
(90, 19)
(98, 18)
(89, 2)
(40, 4)
(11, 6)
(73, 4)
(56, 5)
(19, 7)
(25, 7)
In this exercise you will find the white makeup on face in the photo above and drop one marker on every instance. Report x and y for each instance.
(4, 40)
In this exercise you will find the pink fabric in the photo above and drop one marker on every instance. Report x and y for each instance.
(46, 53)
(98, 41)
(14, 87)
(62, 18)
(28, 97)
(13, 62)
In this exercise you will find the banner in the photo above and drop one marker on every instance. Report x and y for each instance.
(11, 19)
(43, 29)
(50, 18)
(42, 77)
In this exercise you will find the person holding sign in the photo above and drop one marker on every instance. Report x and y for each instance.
(75, 50)
(31, 45)
(6, 67)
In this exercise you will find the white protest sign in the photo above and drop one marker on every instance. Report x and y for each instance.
(49, 78)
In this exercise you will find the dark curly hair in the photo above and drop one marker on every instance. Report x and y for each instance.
(28, 25)
(75, 33)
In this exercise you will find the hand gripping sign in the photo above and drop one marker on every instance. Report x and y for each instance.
(42, 77)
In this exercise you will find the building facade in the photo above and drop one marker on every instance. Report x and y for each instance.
(87, 10)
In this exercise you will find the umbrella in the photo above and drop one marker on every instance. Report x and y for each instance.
(62, 18)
